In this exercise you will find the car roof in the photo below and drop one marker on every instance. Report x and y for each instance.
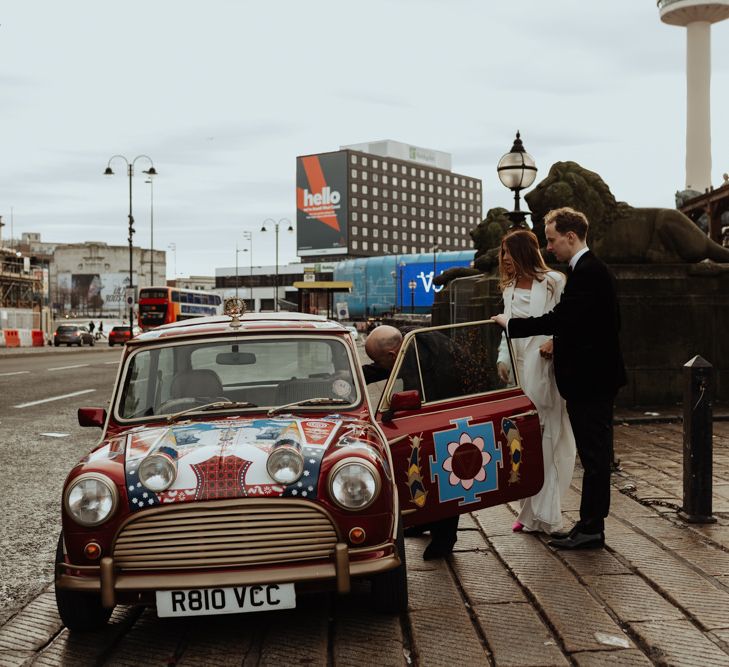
(282, 321)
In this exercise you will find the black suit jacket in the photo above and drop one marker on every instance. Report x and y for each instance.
(585, 324)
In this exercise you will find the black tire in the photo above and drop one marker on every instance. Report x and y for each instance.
(56, 344)
(91, 342)
(111, 344)
(390, 589)
(80, 612)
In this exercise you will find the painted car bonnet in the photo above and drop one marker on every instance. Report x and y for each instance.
(225, 458)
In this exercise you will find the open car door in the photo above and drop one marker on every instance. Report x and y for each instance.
(461, 438)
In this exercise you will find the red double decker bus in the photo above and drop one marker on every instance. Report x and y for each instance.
(162, 305)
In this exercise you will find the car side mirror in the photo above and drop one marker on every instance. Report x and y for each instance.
(92, 417)
(402, 400)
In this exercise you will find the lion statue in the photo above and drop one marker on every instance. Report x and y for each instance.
(620, 233)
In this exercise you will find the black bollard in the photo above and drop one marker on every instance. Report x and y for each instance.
(697, 444)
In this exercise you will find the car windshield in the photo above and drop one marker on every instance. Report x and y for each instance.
(67, 329)
(267, 372)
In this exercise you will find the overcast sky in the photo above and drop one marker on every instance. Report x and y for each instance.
(223, 95)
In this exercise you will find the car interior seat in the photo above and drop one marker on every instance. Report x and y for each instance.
(196, 383)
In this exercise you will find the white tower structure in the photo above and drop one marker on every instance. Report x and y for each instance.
(697, 16)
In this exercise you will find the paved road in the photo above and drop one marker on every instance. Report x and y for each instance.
(40, 440)
(658, 594)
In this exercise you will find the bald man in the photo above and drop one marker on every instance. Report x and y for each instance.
(382, 346)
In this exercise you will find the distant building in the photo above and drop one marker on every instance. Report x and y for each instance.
(201, 283)
(90, 278)
(383, 198)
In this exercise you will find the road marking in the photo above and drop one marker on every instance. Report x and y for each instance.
(55, 398)
(14, 373)
(106, 363)
(56, 435)
(63, 368)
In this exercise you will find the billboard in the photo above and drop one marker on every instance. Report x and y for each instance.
(92, 292)
(422, 273)
(321, 204)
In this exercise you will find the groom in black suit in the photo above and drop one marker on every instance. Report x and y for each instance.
(588, 365)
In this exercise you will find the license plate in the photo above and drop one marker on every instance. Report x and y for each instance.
(234, 600)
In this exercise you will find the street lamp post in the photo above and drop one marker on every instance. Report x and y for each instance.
(394, 280)
(263, 229)
(173, 248)
(435, 250)
(412, 285)
(517, 171)
(151, 228)
(130, 172)
(248, 236)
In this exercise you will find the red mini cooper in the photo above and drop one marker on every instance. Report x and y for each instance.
(242, 463)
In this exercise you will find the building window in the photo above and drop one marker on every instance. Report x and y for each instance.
(375, 164)
(354, 245)
(365, 217)
(395, 235)
(385, 234)
(385, 206)
(375, 247)
(364, 161)
(353, 172)
(365, 231)
(375, 177)
(364, 175)
(365, 203)
(353, 158)
(375, 232)
(440, 178)
(385, 166)
(412, 171)
(355, 215)
(375, 205)
(355, 230)
(375, 219)
(395, 248)
(413, 185)
(422, 173)
(364, 245)
(384, 179)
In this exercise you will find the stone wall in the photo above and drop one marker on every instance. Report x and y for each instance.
(670, 312)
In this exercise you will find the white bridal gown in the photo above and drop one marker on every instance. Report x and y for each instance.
(543, 511)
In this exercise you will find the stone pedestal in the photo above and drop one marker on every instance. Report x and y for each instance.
(670, 313)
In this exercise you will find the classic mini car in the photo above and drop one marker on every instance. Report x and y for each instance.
(242, 463)
(72, 334)
(121, 334)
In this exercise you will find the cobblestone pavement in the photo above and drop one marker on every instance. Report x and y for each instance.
(657, 594)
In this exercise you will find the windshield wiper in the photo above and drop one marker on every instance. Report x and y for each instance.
(309, 401)
(211, 406)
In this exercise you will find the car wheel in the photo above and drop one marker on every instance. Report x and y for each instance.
(56, 344)
(80, 612)
(390, 589)
(92, 342)
(111, 344)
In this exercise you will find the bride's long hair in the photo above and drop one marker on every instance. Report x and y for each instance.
(526, 260)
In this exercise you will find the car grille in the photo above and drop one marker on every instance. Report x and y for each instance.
(219, 534)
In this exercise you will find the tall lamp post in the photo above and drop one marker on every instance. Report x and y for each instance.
(150, 180)
(517, 171)
(276, 226)
(173, 248)
(435, 250)
(130, 172)
(412, 285)
(248, 236)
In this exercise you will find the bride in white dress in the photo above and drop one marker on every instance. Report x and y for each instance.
(531, 289)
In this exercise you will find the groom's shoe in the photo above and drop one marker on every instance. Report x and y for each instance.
(579, 540)
(566, 533)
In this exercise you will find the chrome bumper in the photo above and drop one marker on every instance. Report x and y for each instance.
(105, 578)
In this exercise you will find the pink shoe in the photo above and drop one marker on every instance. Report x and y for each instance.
(517, 527)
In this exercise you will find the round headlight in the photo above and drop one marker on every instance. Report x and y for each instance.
(285, 464)
(91, 499)
(354, 484)
(157, 472)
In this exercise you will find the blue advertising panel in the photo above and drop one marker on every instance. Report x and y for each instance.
(422, 273)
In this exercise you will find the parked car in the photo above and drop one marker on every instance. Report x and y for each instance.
(72, 334)
(241, 463)
(121, 334)
(353, 331)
